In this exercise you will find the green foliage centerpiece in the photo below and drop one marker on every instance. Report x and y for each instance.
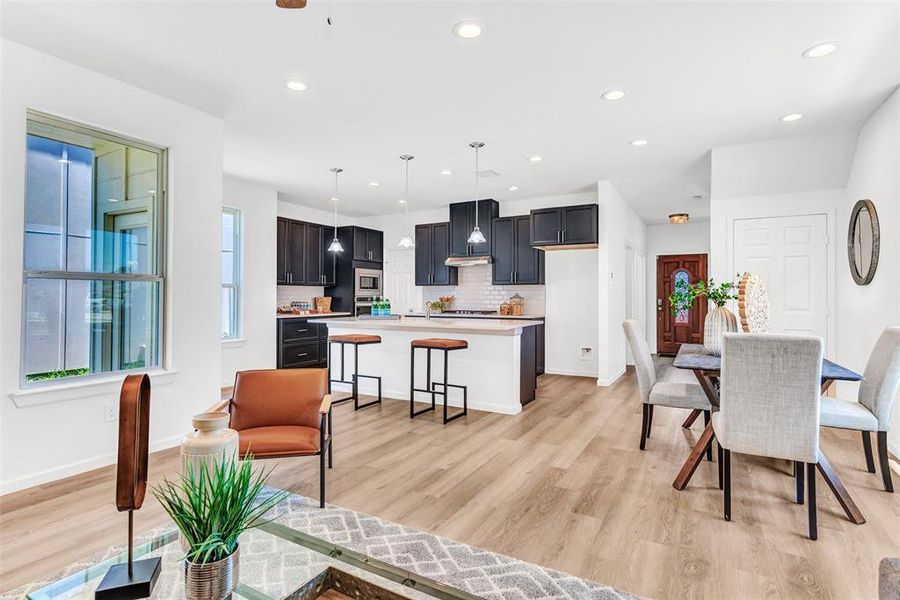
(720, 320)
(212, 509)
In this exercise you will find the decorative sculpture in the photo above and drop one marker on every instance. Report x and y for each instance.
(753, 304)
(134, 579)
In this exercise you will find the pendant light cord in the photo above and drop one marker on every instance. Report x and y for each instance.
(406, 199)
(476, 187)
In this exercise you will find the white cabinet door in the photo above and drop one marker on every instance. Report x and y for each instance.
(791, 256)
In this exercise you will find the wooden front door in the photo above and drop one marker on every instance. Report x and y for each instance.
(686, 327)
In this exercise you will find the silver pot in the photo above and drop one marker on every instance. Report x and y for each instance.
(211, 581)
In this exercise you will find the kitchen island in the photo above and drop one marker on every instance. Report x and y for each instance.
(498, 366)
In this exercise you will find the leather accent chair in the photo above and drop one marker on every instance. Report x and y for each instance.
(282, 413)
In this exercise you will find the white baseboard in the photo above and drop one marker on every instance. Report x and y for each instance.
(610, 381)
(569, 372)
(81, 466)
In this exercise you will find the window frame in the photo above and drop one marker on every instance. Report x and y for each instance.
(237, 274)
(159, 257)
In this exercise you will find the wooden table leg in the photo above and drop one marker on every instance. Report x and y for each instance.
(694, 458)
(691, 418)
(826, 383)
(839, 491)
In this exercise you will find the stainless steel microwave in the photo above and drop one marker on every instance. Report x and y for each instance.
(368, 282)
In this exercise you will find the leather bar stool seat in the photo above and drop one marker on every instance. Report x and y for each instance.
(440, 344)
(355, 338)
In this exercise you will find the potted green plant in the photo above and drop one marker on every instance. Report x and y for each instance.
(720, 320)
(212, 509)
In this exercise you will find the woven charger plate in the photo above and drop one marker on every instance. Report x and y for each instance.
(753, 304)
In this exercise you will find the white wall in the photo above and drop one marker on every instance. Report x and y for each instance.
(619, 227)
(689, 238)
(61, 431)
(863, 311)
(256, 348)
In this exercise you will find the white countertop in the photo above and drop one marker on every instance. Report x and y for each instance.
(446, 326)
(526, 316)
(314, 316)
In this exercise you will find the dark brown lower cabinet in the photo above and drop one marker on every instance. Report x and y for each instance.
(302, 343)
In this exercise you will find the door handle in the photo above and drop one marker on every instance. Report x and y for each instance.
(564, 236)
(558, 239)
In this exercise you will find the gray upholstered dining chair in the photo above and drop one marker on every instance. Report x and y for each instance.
(769, 406)
(875, 402)
(674, 394)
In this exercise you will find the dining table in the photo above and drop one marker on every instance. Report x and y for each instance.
(706, 368)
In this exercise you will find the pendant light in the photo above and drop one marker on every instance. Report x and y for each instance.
(406, 241)
(476, 237)
(335, 243)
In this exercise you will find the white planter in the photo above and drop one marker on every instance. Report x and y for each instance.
(210, 442)
(719, 321)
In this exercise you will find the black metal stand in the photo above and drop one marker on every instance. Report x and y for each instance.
(355, 381)
(131, 580)
(430, 388)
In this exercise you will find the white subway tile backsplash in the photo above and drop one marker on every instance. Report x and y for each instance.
(297, 293)
(475, 292)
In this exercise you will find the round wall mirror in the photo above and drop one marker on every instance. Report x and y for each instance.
(863, 242)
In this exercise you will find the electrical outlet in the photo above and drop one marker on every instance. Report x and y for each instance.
(586, 352)
(111, 412)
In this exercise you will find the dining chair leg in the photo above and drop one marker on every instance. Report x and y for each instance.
(645, 407)
(649, 419)
(811, 499)
(726, 482)
(867, 450)
(719, 457)
(798, 477)
(706, 417)
(883, 461)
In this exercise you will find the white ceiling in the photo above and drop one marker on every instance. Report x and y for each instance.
(389, 78)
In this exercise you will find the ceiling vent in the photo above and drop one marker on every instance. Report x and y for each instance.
(488, 173)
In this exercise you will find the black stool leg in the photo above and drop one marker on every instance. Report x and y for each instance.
(328, 360)
(355, 376)
(446, 389)
(412, 381)
(330, 437)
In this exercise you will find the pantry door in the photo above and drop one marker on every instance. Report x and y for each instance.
(790, 254)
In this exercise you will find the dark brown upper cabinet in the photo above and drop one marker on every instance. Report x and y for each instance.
(462, 222)
(432, 248)
(302, 254)
(565, 227)
(515, 261)
(368, 244)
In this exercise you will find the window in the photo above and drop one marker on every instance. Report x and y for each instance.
(231, 274)
(93, 256)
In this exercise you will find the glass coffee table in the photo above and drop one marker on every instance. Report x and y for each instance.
(276, 563)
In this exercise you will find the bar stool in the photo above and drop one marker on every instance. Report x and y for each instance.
(356, 340)
(435, 344)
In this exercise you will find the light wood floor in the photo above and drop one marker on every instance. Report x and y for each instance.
(563, 485)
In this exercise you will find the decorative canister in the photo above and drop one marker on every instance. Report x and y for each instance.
(209, 442)
(211, 581)
(719, 321)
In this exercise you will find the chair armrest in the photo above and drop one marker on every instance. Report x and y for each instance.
(326, 405)
(222, 406)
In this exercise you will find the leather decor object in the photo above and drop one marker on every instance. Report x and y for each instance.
(355, 338)
(440, 344)
(134, 431)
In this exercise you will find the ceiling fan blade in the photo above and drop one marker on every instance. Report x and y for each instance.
(290, 3)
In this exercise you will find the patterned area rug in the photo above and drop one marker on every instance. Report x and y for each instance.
(479, 572)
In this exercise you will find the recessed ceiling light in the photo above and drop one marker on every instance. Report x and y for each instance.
(295, 85)
(468, 29)
(791, 117)
(401, 201)
(638, 142)
(820, 50)
(513, 188)
(374, 184)
(613, 95)
(535, 158)
(446, 172)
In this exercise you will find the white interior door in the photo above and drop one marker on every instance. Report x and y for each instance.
(791, 255)
(400, 281)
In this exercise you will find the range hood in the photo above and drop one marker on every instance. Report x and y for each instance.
(468, 261)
